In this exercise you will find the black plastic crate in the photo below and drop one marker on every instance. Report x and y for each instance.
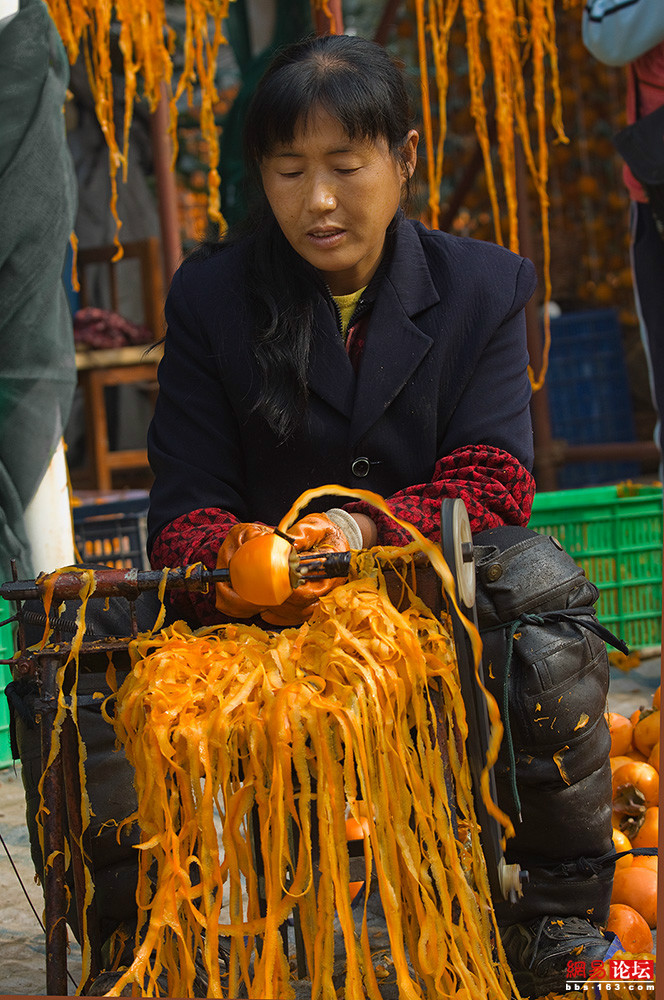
(112, 530)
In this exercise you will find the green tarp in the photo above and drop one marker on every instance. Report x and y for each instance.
(293, 21)
(37, 208)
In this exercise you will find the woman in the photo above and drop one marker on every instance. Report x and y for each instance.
(334, 341)
(337, 342)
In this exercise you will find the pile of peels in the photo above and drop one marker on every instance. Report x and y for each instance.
(257, 727)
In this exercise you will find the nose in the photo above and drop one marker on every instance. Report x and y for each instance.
(322, 194)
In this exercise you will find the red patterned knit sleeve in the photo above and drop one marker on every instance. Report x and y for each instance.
(192, 538)
(495, 487)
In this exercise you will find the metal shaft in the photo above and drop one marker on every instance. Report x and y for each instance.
(127, 583)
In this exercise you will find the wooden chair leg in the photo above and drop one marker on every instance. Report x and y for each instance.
(101, 460)
(97, 429)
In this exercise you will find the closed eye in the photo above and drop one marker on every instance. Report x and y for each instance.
(291, 173)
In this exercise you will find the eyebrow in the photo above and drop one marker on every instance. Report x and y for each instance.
(329, 152)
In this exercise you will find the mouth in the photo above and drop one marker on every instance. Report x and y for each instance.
(326, 236)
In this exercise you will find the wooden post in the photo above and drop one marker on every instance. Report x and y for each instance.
(386, 21)
(545, 459)
(162, 152)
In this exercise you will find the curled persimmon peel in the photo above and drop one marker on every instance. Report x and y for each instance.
(261, 570)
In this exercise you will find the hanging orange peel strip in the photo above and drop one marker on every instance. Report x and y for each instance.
(258, 726)
(146, 44)
(328, 17)
(517, 34)
(435, 557)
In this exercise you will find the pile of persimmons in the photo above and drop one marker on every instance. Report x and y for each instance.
(635, 778)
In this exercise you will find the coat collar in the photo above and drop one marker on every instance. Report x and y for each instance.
(394, 345)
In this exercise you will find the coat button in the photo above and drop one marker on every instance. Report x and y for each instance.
(360, 467)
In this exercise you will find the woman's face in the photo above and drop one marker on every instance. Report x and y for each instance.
(334, 197)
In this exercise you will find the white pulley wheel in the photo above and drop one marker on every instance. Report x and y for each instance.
(458, 548)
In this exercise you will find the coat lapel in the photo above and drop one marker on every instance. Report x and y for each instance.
(331, 374)
(394, 345)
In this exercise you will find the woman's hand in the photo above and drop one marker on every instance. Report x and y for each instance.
(312, 533)
(226, 600)
(317, 533)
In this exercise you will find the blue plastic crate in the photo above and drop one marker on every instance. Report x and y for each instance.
(588, 392)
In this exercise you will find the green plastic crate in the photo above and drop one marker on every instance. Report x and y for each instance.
(614, 533)
(6, 650)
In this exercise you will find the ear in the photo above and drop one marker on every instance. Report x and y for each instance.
(409, 154)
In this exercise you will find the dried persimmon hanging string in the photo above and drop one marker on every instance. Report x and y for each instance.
(519, 36)
(518, 33)
(146, 44)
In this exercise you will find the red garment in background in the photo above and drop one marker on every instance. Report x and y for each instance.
(648, 71)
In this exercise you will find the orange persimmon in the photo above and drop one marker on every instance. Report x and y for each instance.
(646, 835)
(656, 697)
(635, 789)
(646, 732)
(645, 861)
(621, 842)
(632, 929)
(357, 829)
(639, 775)
(653, 759)
(354, 888)
(260, 570)
(617, 762)
(621, 730)
(637, 887)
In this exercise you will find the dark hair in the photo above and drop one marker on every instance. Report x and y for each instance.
(353, 79)
(356, 82)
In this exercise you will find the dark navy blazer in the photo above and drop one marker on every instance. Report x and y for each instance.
(444, 366)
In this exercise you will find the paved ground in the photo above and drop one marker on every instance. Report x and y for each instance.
(631, 690)
(22, 967)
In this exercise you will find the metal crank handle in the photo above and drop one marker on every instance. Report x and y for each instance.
(323, 565)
